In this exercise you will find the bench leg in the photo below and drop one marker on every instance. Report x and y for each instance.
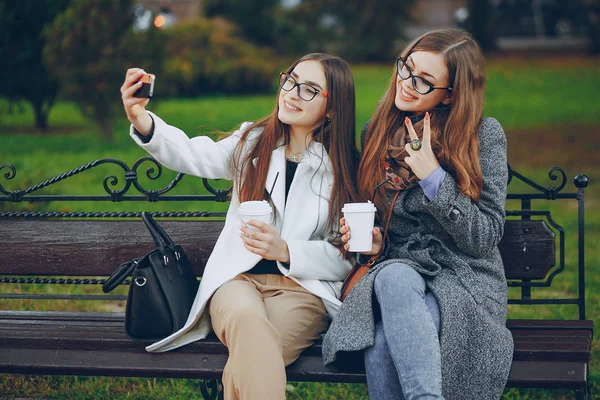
(582, 394)
(212, 389)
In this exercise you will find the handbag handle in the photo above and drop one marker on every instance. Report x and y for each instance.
(159, 235)
(119, 275)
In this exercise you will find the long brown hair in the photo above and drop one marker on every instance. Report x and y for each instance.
(336, 134)
(454, 127)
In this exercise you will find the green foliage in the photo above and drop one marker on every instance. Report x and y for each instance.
(89, 47)
(24, 74)
(207, 56)
(355, 30)
(256, 18)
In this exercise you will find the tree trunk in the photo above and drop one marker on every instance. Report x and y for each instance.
(106, 128)
(41, 116)
(593, 12)
(479, 24)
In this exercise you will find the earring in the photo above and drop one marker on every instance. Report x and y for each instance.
(446, 101)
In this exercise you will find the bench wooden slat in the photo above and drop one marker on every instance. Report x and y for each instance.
(29, 328)
(539, 374)
(94, 248)
(527, 249)
(191, 365)
(113, 339)
(514, 324)
(104, 332)
(553, 333)
(65, 247)
(120, 362)
(62, 315)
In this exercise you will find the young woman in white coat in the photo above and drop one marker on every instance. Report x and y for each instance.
(268, 293)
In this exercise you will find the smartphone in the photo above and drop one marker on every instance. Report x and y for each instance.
(147, 89)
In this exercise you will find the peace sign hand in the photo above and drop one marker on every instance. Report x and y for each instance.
(421, 160)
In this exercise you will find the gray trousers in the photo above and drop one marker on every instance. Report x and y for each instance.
(405, 362)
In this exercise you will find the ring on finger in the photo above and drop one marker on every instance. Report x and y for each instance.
(416, 144)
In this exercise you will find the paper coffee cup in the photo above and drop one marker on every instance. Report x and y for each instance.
(255, 210)
(360, 219)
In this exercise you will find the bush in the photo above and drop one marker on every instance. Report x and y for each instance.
(206, 56)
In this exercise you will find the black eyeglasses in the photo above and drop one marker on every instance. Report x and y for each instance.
(305, 91)
(420, 84)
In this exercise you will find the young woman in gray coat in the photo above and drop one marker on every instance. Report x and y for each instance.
(431, 313)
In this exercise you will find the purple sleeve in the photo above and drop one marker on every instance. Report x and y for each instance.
(433, 182)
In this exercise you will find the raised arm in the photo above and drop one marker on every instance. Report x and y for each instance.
(199, 156)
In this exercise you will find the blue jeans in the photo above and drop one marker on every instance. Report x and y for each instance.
(405, 361)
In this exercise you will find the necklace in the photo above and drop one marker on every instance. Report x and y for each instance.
(295, 156)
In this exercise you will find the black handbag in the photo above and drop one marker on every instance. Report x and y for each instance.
(162, 290)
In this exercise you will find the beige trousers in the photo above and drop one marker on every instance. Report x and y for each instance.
(266, 321)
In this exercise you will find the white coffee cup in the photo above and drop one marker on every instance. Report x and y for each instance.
(360, 219)
(255, 210)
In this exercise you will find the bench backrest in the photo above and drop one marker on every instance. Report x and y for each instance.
(79, 244)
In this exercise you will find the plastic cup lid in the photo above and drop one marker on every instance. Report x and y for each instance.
(359, 207)
(255, 207)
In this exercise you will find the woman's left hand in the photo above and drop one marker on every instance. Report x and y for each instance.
(422, 162)
(265, 242)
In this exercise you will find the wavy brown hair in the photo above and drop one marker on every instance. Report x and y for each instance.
(336, 134)
(454, 127)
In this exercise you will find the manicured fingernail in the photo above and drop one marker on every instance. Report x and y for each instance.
(406, 120)
(427, 116)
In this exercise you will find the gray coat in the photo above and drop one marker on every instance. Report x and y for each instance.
(453, 243)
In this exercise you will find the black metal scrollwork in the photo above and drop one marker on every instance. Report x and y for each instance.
(549, 192)
(12, 172)
(211, 389)
(220, 195)
(110, 182)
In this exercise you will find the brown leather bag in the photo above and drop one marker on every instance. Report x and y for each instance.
(360, 270)
(355, 275)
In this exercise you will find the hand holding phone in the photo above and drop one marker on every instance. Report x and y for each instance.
(147, 89)
(135, 94)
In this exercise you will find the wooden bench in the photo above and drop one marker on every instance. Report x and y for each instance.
(66, 248)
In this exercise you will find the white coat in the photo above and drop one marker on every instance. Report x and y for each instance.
(315, 264)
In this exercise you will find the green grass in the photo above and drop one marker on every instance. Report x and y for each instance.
(547, 106)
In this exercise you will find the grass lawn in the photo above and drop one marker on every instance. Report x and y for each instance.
(547, 106)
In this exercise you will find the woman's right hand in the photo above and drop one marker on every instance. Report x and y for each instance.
(135, 106)
(377, 239)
